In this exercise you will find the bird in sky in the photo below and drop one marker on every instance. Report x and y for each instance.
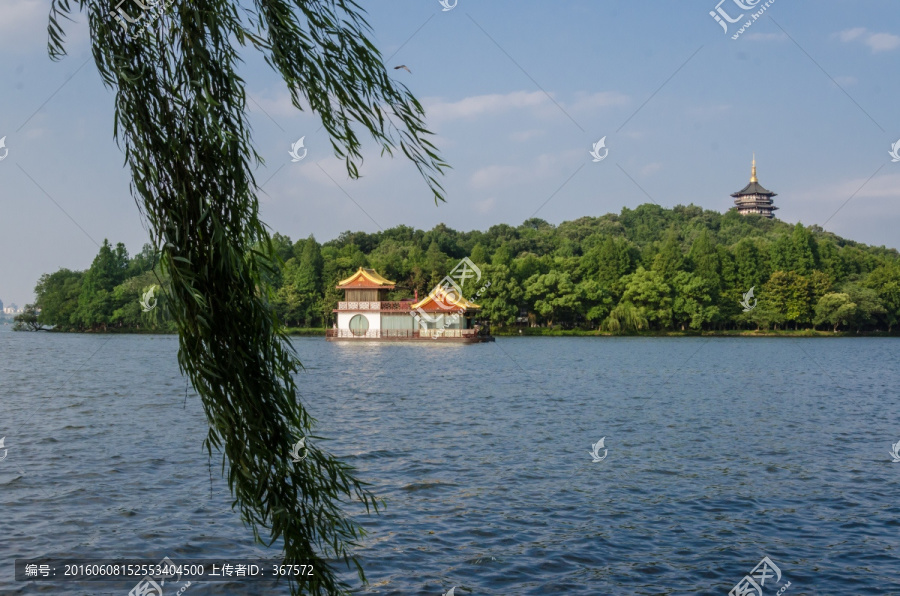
(404, 67)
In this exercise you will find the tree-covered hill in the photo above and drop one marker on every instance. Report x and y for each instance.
(647, 268)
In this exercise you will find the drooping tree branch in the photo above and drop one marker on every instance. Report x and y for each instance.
(181, 117)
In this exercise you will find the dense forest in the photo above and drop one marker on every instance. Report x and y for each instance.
(645, 269)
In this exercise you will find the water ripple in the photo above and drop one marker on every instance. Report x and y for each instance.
(721, 452)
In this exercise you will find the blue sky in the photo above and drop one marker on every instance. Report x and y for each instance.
(517, 92)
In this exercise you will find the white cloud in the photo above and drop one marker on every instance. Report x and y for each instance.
(525, 135)
(493, 176)
(21, 14)
(650, 168)
(877, 42)
(883, 42)
(851, 34)
(486, 205)
(499, 103)
(481, 105)
(23, 25)
(545, 166)
(603, 99)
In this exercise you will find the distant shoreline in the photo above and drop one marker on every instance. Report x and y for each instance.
(545, 332)
(725, 333)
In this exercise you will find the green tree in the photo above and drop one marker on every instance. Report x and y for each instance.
(502, 256)
(868, 307)
(885, 281)
(57, 297)
(296, 301)
(181, 114)
(694, 304)
(670, 259)
(479, 255)
(750, 265)
(436, 264)
(500, 302)
(788, 293)
(797, 252)
(127, 308)
(95, 302)
(144, 261)
(625, 317)
(835, 309)
(609, 261)
(764, 316)
(553, 295)
(596, 300)
(830, 260)
(27, 320)
(527, 265)
(804, 250)
(648, 291)
(704, 260)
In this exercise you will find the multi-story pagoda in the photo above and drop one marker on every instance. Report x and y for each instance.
(754, 198)
(366, 313)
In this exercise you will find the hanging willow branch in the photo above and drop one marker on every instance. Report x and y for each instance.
(180, 113)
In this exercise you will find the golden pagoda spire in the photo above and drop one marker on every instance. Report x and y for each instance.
(753, 170)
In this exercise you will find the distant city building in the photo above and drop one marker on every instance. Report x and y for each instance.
(754, 198)
(12, 309)
(1, 306)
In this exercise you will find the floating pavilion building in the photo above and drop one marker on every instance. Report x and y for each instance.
(367, 314)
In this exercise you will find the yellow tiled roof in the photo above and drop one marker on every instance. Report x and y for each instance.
(368, 274)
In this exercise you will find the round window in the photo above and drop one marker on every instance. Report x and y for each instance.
(359, 324)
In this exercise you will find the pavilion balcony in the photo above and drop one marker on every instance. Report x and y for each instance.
(392, 306)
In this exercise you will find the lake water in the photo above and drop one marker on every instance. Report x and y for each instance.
(720, 451)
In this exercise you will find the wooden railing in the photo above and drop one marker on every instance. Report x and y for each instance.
(386, 305)
(438, 333)
(400, 333)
